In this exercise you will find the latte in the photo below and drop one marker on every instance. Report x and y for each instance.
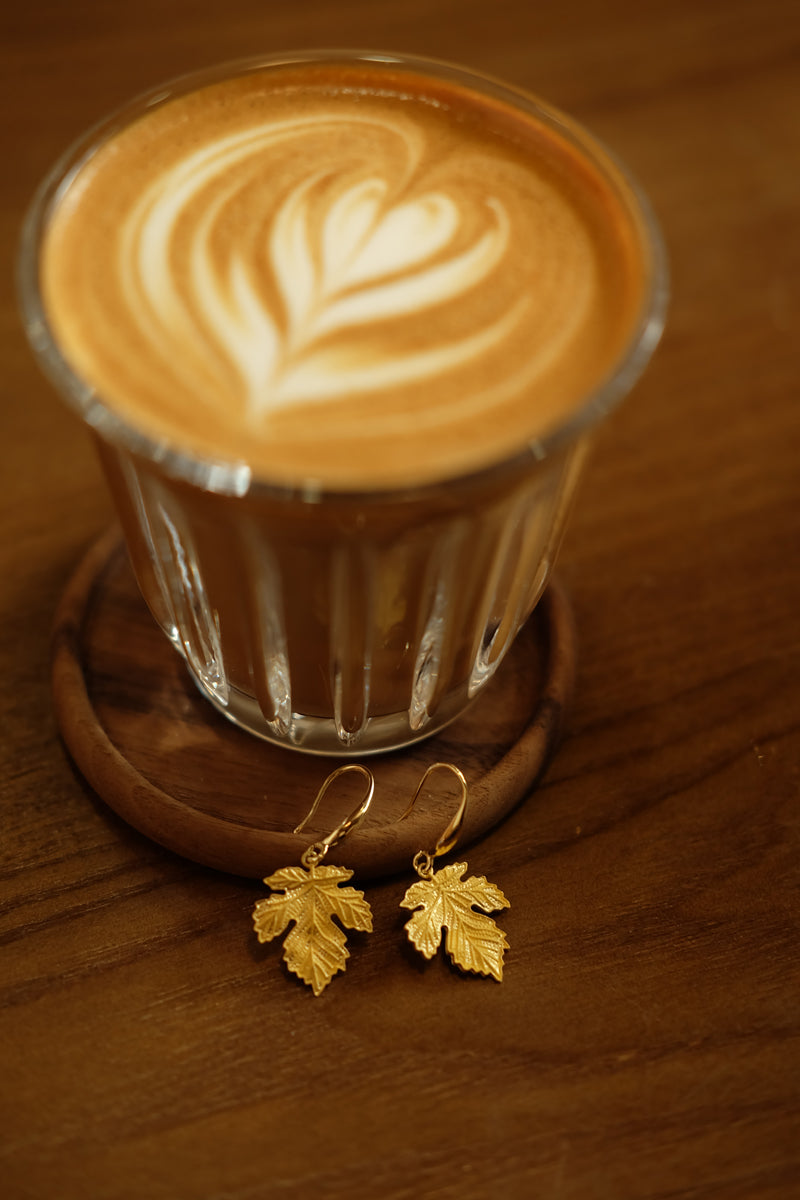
(341, 328)
(347, 273)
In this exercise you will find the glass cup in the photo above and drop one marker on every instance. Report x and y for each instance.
(329, 621)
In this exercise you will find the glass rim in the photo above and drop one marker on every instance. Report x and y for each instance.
(237, 478)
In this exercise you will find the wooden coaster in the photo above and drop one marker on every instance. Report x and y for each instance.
(169, 764)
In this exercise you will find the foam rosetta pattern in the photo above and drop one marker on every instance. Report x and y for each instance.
(288, 308)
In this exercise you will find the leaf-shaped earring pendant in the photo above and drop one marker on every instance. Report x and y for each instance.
(446, 900)
(311, 897)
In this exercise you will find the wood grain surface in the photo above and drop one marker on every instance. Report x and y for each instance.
(644, 1042)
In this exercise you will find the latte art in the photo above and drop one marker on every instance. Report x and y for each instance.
(287, 306)
(338, 282)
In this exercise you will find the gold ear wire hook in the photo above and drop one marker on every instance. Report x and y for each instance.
(322, 847)
(450, 836)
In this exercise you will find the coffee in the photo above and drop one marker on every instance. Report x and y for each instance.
(351, 273)
(341, 328)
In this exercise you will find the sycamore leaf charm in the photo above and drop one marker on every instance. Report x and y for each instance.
(446, 900)
(315, 948)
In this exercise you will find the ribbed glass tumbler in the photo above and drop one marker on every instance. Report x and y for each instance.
(343, 623)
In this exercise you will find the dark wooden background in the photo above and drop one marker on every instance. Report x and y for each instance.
(645, 1040)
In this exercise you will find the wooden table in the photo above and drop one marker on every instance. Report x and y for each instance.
(644, 1042)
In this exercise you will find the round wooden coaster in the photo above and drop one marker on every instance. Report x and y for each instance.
(170, 765)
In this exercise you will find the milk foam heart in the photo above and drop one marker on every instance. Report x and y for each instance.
(345, 274)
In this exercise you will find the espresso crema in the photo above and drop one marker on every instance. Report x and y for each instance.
(349, 274)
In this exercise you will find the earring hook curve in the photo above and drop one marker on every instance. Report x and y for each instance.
(448, 839)
(323, 846)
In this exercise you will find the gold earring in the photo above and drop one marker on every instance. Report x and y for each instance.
(446, 900)
(310, 895)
